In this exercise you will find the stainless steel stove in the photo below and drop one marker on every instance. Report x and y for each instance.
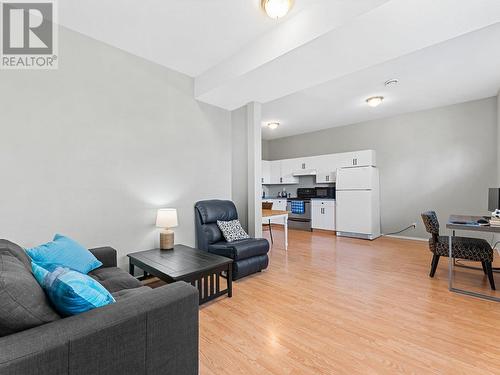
(299, 209)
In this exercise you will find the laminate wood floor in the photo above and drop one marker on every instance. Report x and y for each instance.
(344, 306)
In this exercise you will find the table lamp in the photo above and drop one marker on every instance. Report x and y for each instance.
(166, 218)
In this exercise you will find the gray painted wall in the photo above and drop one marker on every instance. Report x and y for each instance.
(92, 149)
(443, 159)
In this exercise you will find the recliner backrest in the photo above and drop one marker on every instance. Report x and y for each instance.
(207, 213)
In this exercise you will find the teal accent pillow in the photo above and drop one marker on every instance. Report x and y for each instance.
(65, 252)
(70, 292)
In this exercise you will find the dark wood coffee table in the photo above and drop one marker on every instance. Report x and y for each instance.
(200, 268)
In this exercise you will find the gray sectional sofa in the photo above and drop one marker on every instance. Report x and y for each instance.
(147, 331)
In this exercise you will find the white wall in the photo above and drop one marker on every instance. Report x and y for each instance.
(239, 170)
(92, 149)
(443, 159)
(246, 167)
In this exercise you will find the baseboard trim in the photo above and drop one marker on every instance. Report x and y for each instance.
(405, 237)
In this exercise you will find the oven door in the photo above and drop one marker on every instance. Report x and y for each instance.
(298, 218)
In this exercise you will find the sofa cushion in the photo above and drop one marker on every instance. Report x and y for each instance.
(23, 302)
(65, 252)
(16, 251)
(241, 249)
(127, 293)
(115, 279)
(70, 291)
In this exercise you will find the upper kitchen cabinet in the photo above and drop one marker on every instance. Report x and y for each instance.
(266, 172)
(364, 158)
(288, 168)
(278, 172)
(275, 172)
(326, 167)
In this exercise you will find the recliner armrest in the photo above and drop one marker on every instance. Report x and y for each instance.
(225, 250)
(106, 255)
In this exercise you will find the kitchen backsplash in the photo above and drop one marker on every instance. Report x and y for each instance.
(272, 191)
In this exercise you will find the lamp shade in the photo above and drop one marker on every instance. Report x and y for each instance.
(166, 218)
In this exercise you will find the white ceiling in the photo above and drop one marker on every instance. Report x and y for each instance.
(459, 70)
(314, 68)
(189, 36)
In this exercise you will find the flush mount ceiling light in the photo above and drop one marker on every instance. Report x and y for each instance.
(273, 125)
(374, 101)
(276, 8)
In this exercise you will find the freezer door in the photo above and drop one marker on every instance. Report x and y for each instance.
(354, 211)
(361, 178)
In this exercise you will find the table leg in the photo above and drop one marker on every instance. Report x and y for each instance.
(285, 222)
(230, 281)
(462, 291)
(450, 264)
(130, 268)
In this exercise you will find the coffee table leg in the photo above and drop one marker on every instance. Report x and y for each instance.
(230, 281)
(130, 268)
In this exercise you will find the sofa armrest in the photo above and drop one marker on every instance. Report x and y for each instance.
(107, 255)
(151, 333)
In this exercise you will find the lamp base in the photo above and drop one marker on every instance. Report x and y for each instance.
(167, 240)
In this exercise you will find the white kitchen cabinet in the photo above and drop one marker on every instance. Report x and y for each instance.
(281, 172)
(323, 214)
(266, 172)
(275, 171)
(364, 158)
(288, 167)
(326, 167)
(325, 177)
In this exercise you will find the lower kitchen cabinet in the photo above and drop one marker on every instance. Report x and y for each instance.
(323, 214)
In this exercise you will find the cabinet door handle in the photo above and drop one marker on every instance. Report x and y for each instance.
(328, 178)
(355, 161)
(303, 165)
(281, 179)
(262, 179)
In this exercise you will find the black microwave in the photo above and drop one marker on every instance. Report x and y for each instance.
(325, 192)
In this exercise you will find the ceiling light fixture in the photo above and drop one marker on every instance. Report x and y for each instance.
(276, 8)
(374, 101)
(273, 125)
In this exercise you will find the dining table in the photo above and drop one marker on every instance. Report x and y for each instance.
(276, 215)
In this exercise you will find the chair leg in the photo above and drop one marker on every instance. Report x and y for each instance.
(489, 270)
(434, 264)
(484, 268)
(271, 231)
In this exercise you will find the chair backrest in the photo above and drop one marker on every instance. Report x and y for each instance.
(267, 205)
(206, 215)
(431, 223)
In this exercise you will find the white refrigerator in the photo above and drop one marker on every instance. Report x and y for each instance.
(358, 202)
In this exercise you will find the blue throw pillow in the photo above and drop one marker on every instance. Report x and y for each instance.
(70, 292)
(65, 252)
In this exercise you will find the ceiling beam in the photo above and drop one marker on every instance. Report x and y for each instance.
(331, 40)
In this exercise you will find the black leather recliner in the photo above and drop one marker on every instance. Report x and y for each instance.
(249, 255)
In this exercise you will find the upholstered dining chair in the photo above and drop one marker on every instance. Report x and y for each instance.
(472, 249)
